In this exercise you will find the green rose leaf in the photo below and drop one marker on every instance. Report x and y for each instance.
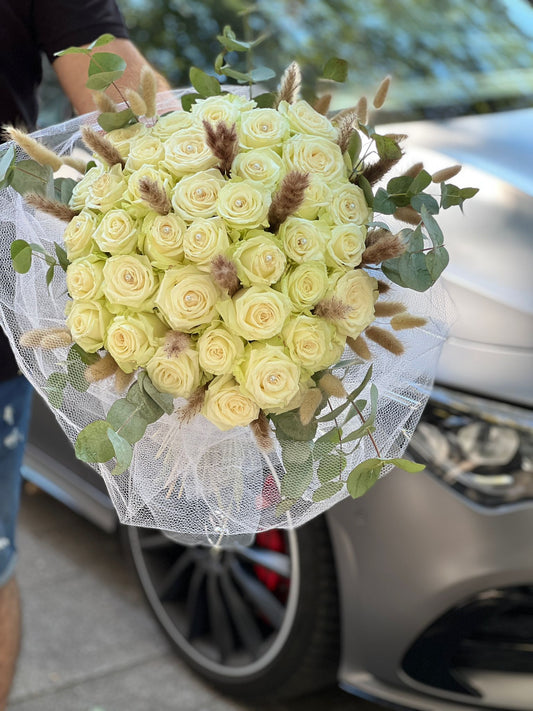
(7, 161)
(327, 490)
(335, 69)
(123, 452)
(30, 177)
(93, 445)
(21, 254)
(110, 120)
(205, 84)
(54, 387)
(187, 100)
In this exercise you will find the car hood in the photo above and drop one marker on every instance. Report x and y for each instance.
(490, 276)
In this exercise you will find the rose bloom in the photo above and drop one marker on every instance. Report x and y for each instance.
(122, 138)
(348, 205)
(257, 313)
(204, 239)
(302, 240)
(345, 246)
(259, 259)
(80, 192)
(178, 375)
(129, 280)
(78, 236)
(308, 154)
(268, 376)
(107, 190)
(263, 127)
(305, 285)
(244, 205)
(132, 339)
(167, 126)
(187, 298)
(225, 107)
(161, 239)
(218, 349)
(136, 205)
(359, 291)
(85, 278)
(317, 197)
(225, 405)
(87, 322)
(147, 150)
(261, 165)
(313, 342)
(187, 152)
(304, 119)
(116, 233)
(196, 195)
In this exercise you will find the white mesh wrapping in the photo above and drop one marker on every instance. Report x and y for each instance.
(194, 481)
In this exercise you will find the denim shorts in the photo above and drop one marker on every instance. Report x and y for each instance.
(15, 407)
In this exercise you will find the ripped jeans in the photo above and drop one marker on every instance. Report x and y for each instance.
(15, 407)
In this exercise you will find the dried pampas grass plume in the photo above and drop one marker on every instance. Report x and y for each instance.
(408, 215)
(385, 339)
(51, 207)
(309, 406)
(193, 407)
(223, 142)
(385, 309)
(332, 309)
(224, 273)
(77, 163)
(149, 90)
(288, 198)
(332, 386)
(104, 103)
(56, 340)
(446, 174)
(103, 368)
(322, 104)
(360, 347)
(176, 343)
(154, 194)
(136, 102)
(376, 171)
(346, 128)
(289, 85)
(361, 109)
(122, 380)
(36, 150)
(33, 338)
(261, 431)
(99, 144)
(405, 321)
(385, 248)
(381, 93)
(383, 287)
(414, 170)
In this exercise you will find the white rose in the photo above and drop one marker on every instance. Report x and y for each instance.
(196, 195)
(304, 119)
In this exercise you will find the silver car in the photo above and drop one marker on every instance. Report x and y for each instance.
(420, 594)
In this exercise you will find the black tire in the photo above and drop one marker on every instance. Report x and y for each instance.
(218, 611)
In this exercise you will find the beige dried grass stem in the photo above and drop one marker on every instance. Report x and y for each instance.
(414, 170)
(262, 433)
(223, 142)
(289, 85)
(288, 198)
(408, 215)
(102, 146)
(154, 194)
(385, 248)
(332, 386)
(360, 347)
(56, 340)
(33, 338)
(193, 407)
(149, 90)
(446, 174)
(322, 104)
(103, 368)
(104, 103)
(122, 380)
(77, 163)
(35, 149)
(385, 309)
(381, 93)
(385, 339)
(224, 273)
(310, 403)
(332, 309)
(405, 321)
(51, 207)
(176, 343)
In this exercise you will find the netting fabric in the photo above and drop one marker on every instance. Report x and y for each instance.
(200, 484)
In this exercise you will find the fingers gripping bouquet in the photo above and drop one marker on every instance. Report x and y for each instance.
(229, 304)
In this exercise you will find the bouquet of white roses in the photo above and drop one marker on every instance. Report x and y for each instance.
(225, 270)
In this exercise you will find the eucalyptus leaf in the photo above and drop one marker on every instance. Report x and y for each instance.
(205, 84)
(76, 370)
(265, 101)
(428, 201)
(335, 69)
(326, 443)
(261, 74)
(327, 490)
(123, 452)
(290, 425)
(330, 467)
(294, 452)
(387, 147)
(63, 188)
(21, 255)
(365, 186)
(187, 100)
(50, 274)
(164, 400)
(61, 255)
(431, 225)
(297, 478)
(150, 410)
(110, 120)
(284, 506)
(102, 80)
(363, 477)
(102, 40)
(383, 203)
(127, 419)
(241, 77)
(93, 445)
(73, 50)
(30, 177)
(436, 262)
(401, 184)
(54, 387)
(87, 358)
(230, 42)
(7, 160)
(420, 182)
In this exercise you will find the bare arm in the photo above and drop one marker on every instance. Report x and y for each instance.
(71, 70)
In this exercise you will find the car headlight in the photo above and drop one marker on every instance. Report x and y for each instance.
(482, 448)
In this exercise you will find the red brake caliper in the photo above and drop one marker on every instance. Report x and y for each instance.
(273, 540)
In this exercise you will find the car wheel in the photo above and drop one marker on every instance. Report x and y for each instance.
(257, 622)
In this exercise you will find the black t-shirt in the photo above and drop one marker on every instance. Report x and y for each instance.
(29, 28)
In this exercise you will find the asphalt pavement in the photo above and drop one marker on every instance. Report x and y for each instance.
(90, 642)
